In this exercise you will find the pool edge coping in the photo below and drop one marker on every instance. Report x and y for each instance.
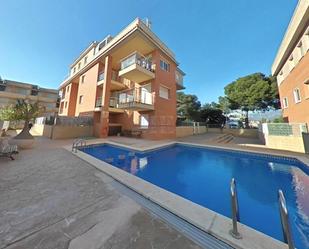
(213, 223)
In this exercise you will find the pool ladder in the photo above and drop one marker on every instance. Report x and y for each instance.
(78, 143)
(284, 216)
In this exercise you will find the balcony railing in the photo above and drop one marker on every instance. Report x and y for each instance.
(137, 58)
(98, 102)
(101, 76)
(135, 99)
(179, 80)
(112, 102)
(115, 76)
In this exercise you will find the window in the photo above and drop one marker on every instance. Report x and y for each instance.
(144, 121)
(306, 82)
(81, 97)
(65, 104)
(74, 69)
(285, 103)
(85, 59)
(68, 88)
(164, 66)
(78, 65)
(83, 79)
(164, 92)
(297, 95)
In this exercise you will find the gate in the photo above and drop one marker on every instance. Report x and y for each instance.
(306, 142)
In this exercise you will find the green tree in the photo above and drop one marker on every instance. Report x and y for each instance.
(212, 115)
(253, 92)
(188, 106)
(224, 104)
(279, 120)
(211, 105)
(21, 111)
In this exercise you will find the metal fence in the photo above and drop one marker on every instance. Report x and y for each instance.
(65, 121)
(191, 123)
(184, 123)
(74, 121)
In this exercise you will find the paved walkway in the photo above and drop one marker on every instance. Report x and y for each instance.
(51, 199)
(242, 143)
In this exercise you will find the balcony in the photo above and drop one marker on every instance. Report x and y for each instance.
(116, 84)
(179, 80)
(137, 68)
(113, 106)
(137, 99)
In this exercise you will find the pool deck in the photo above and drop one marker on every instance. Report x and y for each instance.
(50, 198)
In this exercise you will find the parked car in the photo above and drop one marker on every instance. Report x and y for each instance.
(235, 124)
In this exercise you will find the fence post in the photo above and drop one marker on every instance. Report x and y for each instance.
(53, 126)
(193, 128)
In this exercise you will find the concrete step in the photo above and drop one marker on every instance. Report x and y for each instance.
(219, 137)
(226, 138)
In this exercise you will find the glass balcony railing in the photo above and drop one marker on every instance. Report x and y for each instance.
(101, 76)
(137, 58)
(112, 102)
(115, 76)
(98, 102)
(135, 95)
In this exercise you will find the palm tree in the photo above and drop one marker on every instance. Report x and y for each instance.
(23, 110)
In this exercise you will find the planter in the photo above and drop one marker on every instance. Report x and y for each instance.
(22, 143)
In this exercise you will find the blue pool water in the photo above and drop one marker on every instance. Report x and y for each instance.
(203, 176)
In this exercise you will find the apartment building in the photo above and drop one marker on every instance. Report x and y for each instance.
(291, 67)
(126, 83)
(11, 91)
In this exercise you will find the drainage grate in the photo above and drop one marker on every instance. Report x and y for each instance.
(200, 237)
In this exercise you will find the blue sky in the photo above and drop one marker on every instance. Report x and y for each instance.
(215, 41)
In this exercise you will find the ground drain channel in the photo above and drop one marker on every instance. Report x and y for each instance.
(201, 238)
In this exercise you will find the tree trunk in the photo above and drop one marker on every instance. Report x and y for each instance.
(25, 134)
(247, 120)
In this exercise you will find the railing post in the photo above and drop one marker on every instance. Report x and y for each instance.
(235, 211)
(284, 216)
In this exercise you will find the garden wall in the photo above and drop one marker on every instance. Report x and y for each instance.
(250, 133)
(62, 131)
(285, 143)
(184, 131)
(283, 136)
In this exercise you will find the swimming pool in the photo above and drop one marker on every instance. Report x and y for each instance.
(203, 175)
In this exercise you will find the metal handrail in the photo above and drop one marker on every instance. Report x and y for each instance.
(235, 211)
(284, 216)
(78, 143)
